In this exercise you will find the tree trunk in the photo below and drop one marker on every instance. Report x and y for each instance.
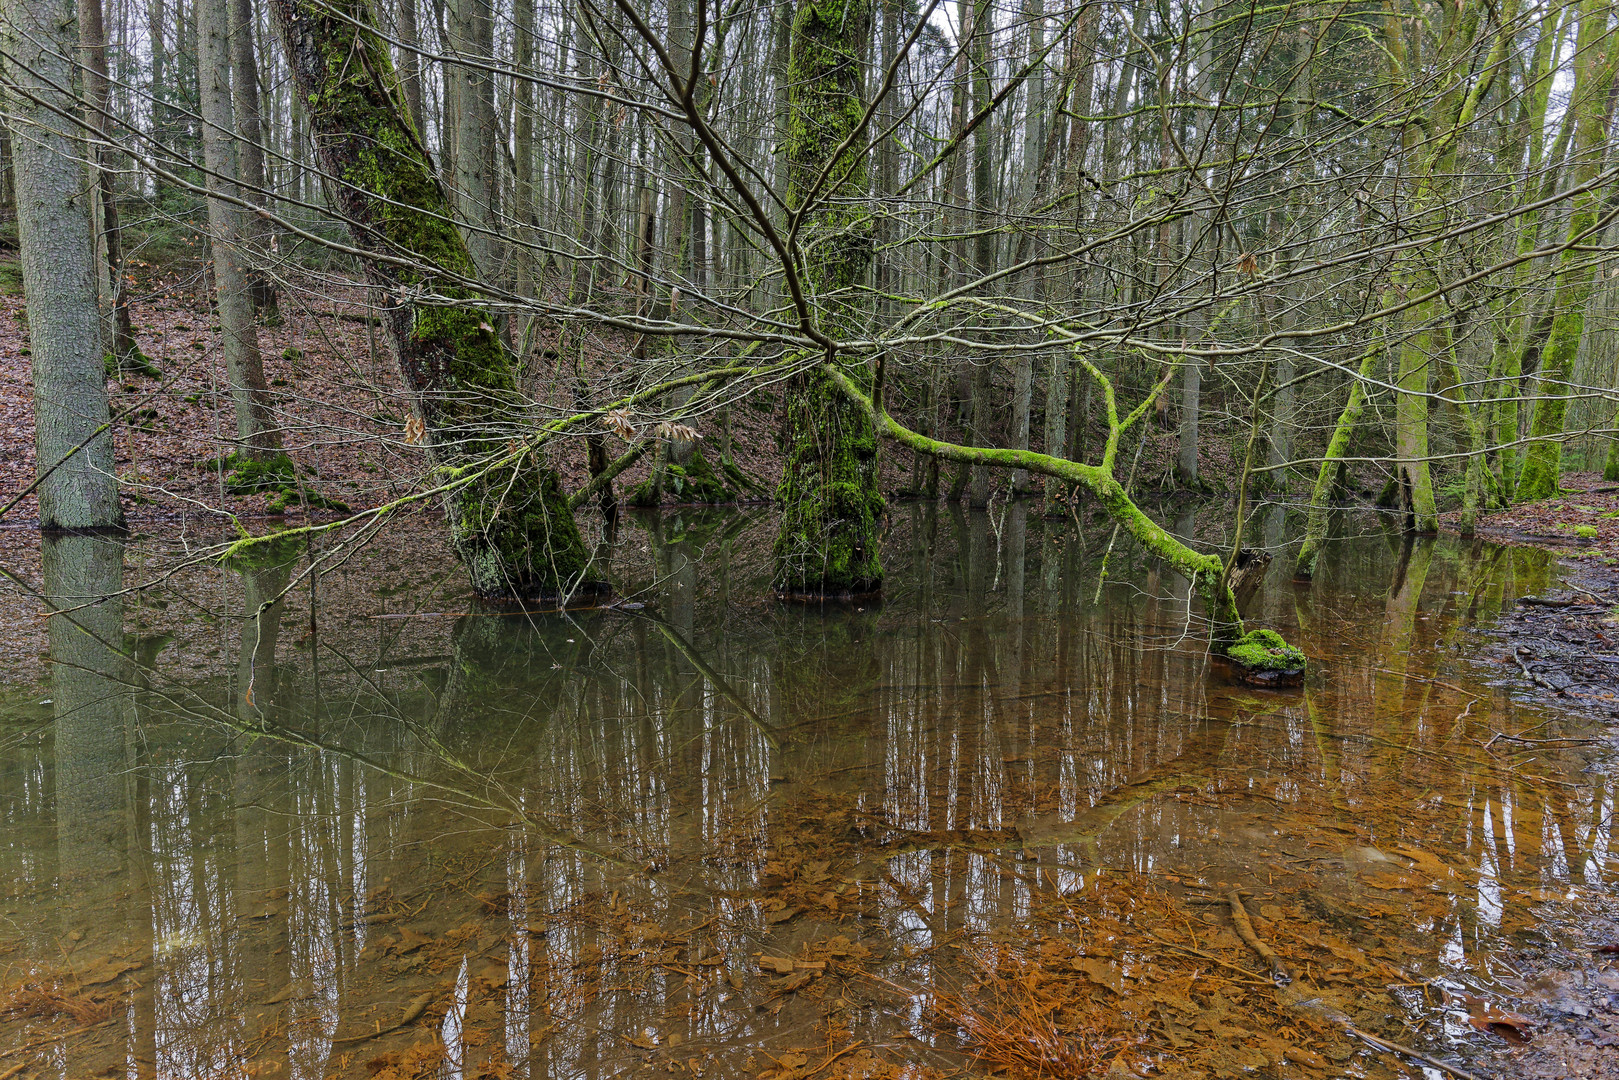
(410, 64)
(984, 241)
(256, 435)
(1593, 82)
(473, 30)
(828, 541)
(1326, 481)
(510, 525)
(93, 47)
(58, 270)
(249, 124)
(523, 151)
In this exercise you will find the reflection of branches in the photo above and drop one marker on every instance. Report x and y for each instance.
(721, 686)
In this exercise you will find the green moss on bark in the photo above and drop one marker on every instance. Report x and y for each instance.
(512, 527)
(1321, 495)
(832, 507)
(693, 482)
(831, 510)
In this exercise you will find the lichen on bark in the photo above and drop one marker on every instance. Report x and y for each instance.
(510, 525)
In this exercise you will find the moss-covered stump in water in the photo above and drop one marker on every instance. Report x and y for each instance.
(1264, 658)
(516, 536)
(510, 524)
(831, 507)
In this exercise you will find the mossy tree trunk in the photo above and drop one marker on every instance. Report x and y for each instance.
(831, 505)
(1332, 465)
(511, 525)
(1594, 66)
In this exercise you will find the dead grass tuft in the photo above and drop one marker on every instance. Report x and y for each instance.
(49, 998)
(1026, 1023)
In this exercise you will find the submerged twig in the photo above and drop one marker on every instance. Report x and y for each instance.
(1415, 1055)
(1245, 930)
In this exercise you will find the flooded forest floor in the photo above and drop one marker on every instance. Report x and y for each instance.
(1009, 821)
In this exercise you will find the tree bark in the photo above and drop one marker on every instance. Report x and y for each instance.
(828, 541)
(72, 440)
(410, 63)
(1594, 76)
(250, 125)
(473, 30)
(510, 526)
(93, 48)
(984, 241)
(256, 434)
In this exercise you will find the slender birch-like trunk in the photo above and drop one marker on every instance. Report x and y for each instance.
(256, 434)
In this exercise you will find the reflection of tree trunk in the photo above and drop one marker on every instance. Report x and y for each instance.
(89, 693)
(1400, 622)
(260, 832)
(263, 605)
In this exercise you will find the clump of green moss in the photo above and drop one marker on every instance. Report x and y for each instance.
(273, 476)
(1585, 532)
(1265, 650)
(694, 482)
(246, 475)
(136, 363)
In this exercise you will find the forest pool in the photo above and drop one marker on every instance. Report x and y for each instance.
(1008, 816)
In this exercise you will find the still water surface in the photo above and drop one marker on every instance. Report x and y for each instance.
(374, 833)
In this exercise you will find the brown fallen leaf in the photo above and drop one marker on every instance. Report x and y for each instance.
(410, 941)
(776, 918)
(781, 965)
(1486, 1017)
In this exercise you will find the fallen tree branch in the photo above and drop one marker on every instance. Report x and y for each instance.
(1415, 1055)
(1245, 930)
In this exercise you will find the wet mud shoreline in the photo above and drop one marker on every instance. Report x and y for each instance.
(1560, 650)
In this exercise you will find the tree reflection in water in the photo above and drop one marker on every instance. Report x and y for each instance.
(737, 834)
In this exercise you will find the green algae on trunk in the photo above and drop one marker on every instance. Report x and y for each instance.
(511, 526)
(1592, 103)
(832, 507)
